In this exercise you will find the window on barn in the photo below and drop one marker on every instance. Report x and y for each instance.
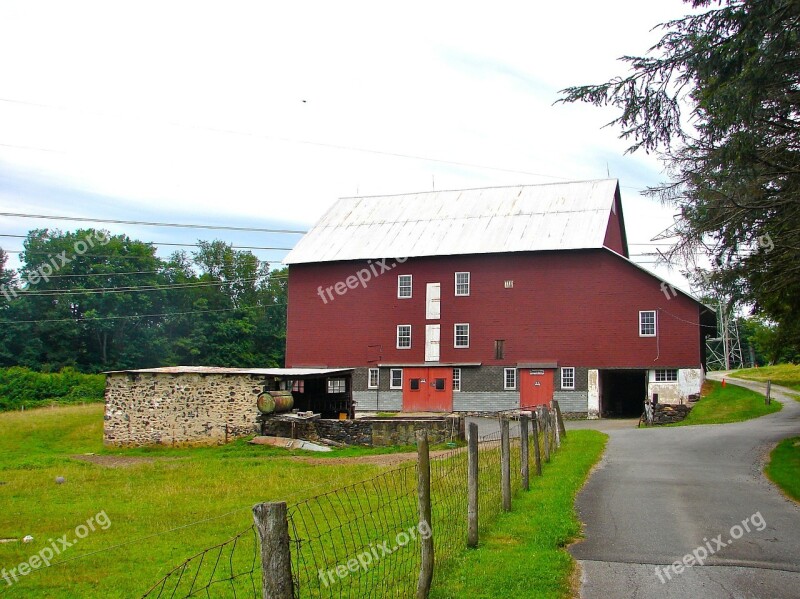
(462, 335)
(568, 377)
(374, 378)
(509, 378)
(456, 379)
(647, 323)
(396, 378)
(403, 336)
(666, 376)
(439, 384)
(462, 283)
(414, 384)
(499, 349)
(404, 286)
(336, 385)
(298, 386)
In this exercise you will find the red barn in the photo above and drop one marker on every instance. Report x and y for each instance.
(491, 299)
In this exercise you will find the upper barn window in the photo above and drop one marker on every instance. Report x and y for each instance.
(462, 283)
(647, 323)
(403, 286)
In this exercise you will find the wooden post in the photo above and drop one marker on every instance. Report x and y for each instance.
(424, 501)
(556, 429)
(276, 559)
(767, 398)
(523, 448)
(505, 464)
(472, 486)
(560, 418)
(546, 434)
(537, 456)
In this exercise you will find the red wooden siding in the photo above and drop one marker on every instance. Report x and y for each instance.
(580, 308)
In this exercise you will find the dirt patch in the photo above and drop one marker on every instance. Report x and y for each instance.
(113, 461)
(384, 459)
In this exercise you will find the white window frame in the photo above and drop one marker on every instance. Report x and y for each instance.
(456, 335)
(654, 323)
(564, 376)
(456, 379)
(665, 375)
(468, 284)
(392, 378)
(377, 373)
(401, 287)
(399, 346)
(512, 372)
(335, 383)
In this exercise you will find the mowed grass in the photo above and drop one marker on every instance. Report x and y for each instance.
(786, 375)
(731, 403)
(784, 467)
(148, 493)
(524, 555)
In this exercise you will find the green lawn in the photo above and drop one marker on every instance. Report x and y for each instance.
(728, 404)
(784, 467)
(524, 553)
(787, 375)
(148, 492)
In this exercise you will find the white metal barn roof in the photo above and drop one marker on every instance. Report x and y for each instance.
(523, 218)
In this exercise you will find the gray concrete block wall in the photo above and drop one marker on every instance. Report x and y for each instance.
(483, 379)
(485, 401)
(572, 401)
(384, 401)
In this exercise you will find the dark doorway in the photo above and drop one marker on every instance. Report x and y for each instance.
(623, 392)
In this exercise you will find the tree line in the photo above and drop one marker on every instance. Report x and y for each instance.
(93, 301)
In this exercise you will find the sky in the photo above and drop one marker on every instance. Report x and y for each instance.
(262, 114)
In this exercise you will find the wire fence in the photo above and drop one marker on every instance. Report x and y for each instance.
(229, 570)
(364, 539)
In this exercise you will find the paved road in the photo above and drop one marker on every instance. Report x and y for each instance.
(662, 493)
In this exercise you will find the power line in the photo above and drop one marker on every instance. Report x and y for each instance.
(302, 142)
(129, 317)
(150, 224)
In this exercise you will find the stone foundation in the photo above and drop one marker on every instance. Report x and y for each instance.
(366, 432)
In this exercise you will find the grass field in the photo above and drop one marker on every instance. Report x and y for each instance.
(151, 508)
(787, 375)
(524, 554)
(143, 492)
(727, 404)
(784, 467)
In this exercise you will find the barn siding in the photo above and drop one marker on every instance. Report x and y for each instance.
(576, 307)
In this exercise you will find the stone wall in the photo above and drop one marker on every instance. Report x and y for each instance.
(666, 414)
(364, 431)
(179, 409)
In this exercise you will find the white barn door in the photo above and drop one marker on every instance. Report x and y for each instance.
(432, 336)
(433, 301)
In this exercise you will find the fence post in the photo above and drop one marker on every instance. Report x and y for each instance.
(556, 429)
(424, 501)
(552, 427)
(523, 448)
(505, 464)
(546, 434)
(560, 419)
(537, 456)
(276, 558)
(767, 398)
(472, 486)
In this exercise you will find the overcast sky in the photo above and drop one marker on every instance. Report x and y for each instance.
(264, 113)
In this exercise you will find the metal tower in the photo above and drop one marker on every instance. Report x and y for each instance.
(724, 352)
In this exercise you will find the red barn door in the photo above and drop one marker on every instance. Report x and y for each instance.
(535, 386)
(428, 390)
